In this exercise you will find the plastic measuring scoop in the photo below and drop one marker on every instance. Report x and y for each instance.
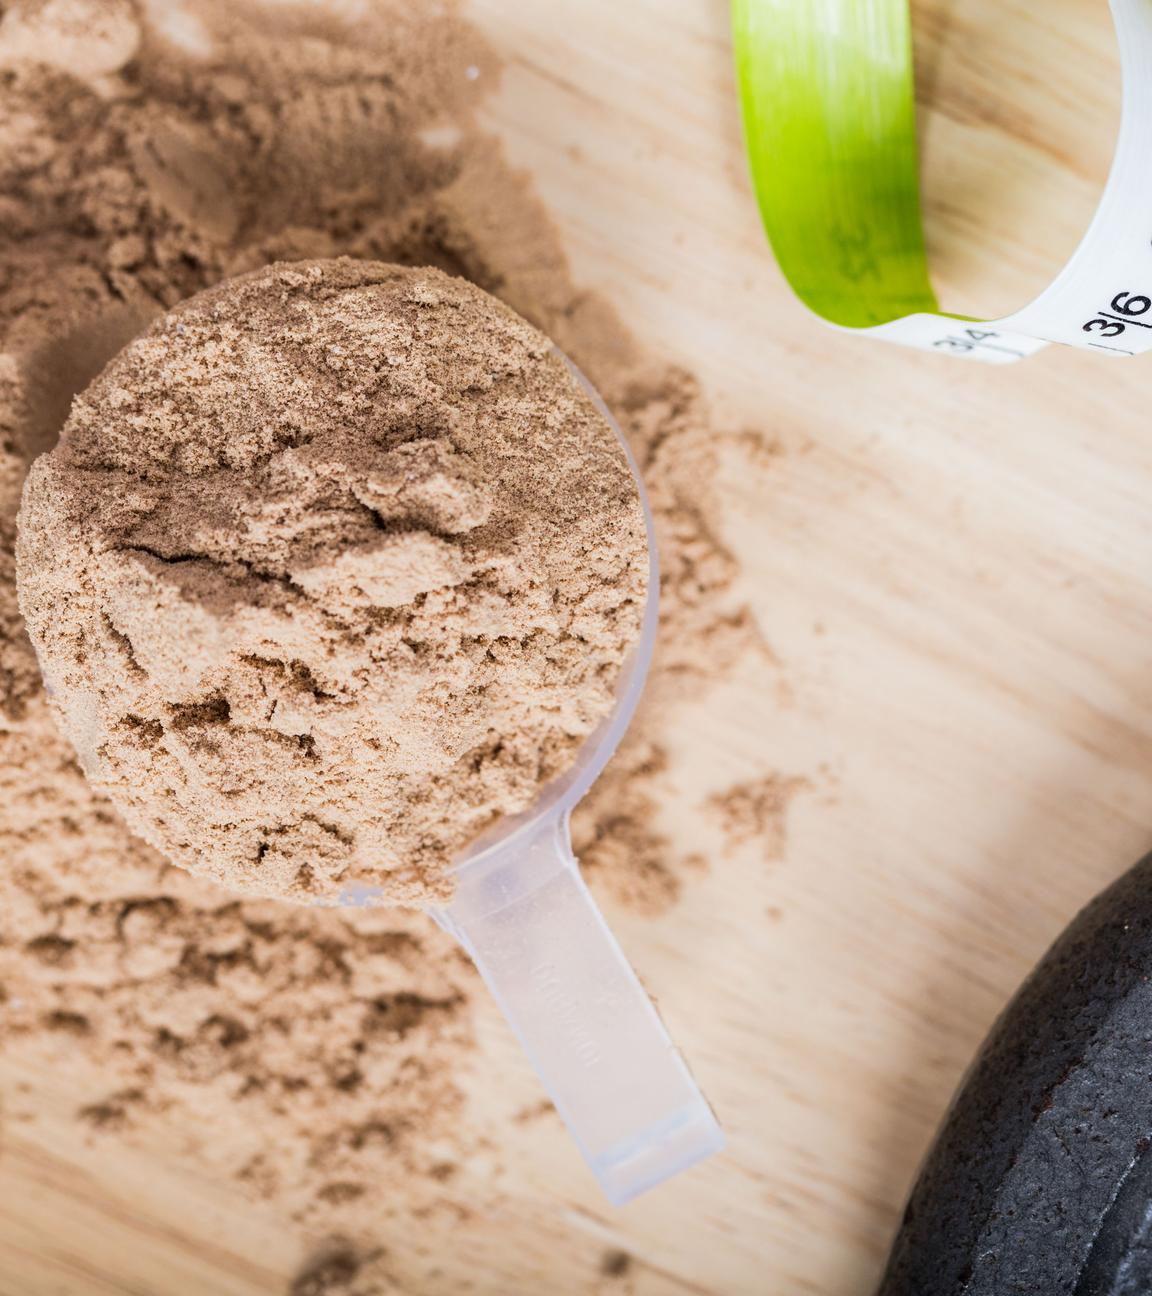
(523, 912)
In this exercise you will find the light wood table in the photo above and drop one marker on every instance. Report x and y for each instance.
(953, 567)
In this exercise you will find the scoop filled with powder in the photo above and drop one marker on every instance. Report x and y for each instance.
(341, 585)
(334, 567)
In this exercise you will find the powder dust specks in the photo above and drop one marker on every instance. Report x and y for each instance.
(756, 813)
(324, 1049)
(340, 1268)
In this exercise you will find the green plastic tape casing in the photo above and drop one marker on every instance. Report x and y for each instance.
(830, 118)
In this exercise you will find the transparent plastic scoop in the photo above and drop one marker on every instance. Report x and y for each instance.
(522, 911)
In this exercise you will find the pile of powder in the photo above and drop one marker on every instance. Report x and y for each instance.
(321, 1051)
(333, 567)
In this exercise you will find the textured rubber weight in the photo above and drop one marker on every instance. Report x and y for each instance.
(1040, 1180)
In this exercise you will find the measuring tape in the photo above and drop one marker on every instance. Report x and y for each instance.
(830, 119)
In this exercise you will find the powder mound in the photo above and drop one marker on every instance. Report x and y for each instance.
(333, 566)
(88, 38)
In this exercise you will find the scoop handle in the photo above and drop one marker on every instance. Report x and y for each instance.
(524, 914)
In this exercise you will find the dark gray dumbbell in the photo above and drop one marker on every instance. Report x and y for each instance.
(1040, 1180)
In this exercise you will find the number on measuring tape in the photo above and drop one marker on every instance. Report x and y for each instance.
(972, 338)
(1126, 309)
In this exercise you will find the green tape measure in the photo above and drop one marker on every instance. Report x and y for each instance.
(830, 120)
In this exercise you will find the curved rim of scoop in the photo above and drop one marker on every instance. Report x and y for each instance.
(558, 797)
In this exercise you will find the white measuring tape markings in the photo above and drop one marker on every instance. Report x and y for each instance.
(1102, 299)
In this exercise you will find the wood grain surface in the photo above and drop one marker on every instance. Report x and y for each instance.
(952, 565)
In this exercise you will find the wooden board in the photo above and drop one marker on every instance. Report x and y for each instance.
(953, 567)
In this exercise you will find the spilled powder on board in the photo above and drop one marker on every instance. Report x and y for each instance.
(323, 1049)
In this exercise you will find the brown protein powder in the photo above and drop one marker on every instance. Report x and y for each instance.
(323, 1058)
(333, 566)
